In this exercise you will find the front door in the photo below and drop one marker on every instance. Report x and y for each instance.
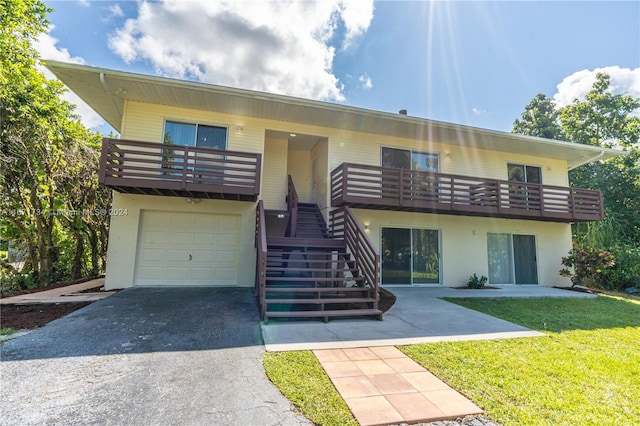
(410, 256)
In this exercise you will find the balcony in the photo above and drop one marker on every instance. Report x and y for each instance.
(371, 187)
(180, 171)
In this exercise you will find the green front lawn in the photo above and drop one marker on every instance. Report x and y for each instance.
(585, 372)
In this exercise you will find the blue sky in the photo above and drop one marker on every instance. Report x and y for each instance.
(476, 63)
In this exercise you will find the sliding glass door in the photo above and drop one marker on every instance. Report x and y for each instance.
(512, 259)
(410, 256)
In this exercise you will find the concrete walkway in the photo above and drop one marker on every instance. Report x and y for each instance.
(418, 316)
(70, 293)
(380, 384)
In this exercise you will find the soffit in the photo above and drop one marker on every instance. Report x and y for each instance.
(106, 90)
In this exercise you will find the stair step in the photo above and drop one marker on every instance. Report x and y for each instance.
(300, 256)
(316, 289)
(288, 242)
(325, 314)
(314, 279)
(286, 269)
(332, 300)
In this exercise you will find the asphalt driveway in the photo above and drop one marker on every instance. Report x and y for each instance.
(145, 356)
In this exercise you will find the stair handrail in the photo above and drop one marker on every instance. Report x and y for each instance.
(292, 208)
(261, 258)
(345, 225)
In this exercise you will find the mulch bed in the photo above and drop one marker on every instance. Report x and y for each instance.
(27, 317)
(387, 299)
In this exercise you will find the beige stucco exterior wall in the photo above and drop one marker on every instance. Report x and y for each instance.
(464, 241)
(463, 251)
(124, 231)
(274, 173)
(146, 122)
(299, 167)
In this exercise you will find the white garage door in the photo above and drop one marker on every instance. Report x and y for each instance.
(187, 249)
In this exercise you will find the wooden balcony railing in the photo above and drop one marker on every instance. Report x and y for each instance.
(182, 171)
(344, 225)
(261, 259)
(371, 187)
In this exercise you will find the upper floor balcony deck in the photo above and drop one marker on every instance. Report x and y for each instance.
(371, 187)
(181, 171)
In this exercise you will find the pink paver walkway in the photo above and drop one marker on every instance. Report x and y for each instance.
(383, 386)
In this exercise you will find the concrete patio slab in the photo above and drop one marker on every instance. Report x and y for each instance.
(418, 316)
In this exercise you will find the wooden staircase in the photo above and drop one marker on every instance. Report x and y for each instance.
(311, 272)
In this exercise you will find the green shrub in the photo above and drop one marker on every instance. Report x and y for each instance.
(626, 272)
(475, 282)
(588, 265)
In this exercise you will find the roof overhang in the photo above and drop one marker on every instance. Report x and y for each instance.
(106, 90)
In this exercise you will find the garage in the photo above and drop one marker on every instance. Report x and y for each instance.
(189, 249)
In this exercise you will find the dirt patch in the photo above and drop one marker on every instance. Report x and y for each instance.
(27, 317)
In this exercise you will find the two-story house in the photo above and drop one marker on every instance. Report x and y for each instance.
(316, 204)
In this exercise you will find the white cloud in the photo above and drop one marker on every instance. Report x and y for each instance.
(478, 111)
(116, 10)
(275, 46)
(46, 47)
(623, 81)
(84, 3)
(357, 16)
(365, 81)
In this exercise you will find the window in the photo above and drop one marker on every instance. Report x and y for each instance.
(420, 184)
(524, 196)
(407, 159)
(209, 166)
(200, 135)
(524, 173)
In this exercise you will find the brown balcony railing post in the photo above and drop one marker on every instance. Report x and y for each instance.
(185, 165)
(572, 202)
(345, 174)
(401, 188)
(104, 158)
(258, 174)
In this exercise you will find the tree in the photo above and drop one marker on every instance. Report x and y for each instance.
(605, 120)
(540, 118)
(44, 150)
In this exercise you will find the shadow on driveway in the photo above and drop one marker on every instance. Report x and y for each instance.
(142, 320)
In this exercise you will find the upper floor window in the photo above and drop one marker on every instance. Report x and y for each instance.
(524, 173)
(200, 135)
(407, 159)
